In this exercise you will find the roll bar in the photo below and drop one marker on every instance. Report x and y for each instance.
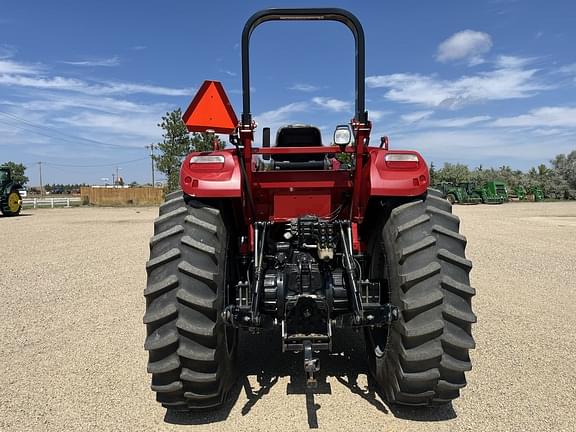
(328, 14)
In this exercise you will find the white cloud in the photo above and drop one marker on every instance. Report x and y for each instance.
(512, 62)
(144, 126)
(81, 86)
(13, 73)
(50, 102)
(466, 45)
(304, 87)
(12, 67)
(229, 73)
(569, 69)
(331, 104)
(128, 88)
(376, 115)
(424, 120)
(282, 114)
(509, 80)
(483, 146)
(416, 116)
(548, 117)
(105, 62)
(457, 122)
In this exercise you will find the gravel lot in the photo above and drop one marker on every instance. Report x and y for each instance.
(71, 355)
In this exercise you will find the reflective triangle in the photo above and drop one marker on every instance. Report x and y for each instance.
(210, 110)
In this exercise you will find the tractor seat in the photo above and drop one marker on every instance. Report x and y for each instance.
(299, 136)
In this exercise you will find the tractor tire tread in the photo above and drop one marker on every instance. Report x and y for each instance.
(189, 359)
(427, 353)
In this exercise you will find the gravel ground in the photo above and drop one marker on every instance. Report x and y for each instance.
(71, 355)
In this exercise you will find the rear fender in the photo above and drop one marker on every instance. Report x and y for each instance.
(211, 180)
(387, 180)
(9, 187)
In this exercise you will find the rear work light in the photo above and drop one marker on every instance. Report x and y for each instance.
(401, 160)
(212, 159)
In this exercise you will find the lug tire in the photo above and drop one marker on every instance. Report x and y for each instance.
(5, 204)
(191, 351)
(426, 351)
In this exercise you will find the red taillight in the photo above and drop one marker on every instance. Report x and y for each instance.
(401, 161)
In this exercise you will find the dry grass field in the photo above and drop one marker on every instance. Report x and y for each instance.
(71, 338)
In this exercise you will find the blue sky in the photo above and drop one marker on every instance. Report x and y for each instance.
(84, 84)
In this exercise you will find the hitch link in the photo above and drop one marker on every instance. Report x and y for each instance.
(311, 365)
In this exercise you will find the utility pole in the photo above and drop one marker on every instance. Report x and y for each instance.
(41, 187)
(113, 180)
(117, 177)
(151, 147)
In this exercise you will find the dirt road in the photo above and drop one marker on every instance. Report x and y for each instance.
(71, 334)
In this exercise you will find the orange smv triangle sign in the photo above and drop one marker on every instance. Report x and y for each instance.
(210, 110)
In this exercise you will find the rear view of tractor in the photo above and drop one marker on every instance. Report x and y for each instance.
(536, 193)
(494, 192)
(519, 193)
(463, 193)
(287, 236)
(10, 199)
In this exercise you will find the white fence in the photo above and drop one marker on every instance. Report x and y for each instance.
(50, 202)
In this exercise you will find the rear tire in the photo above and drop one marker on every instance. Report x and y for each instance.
(11, 204)
(421, 359)
(191, 351)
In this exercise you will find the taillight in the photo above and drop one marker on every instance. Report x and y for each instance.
(207, 162)
(206, 159)
(401, 161)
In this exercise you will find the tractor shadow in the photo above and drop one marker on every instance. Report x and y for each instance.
(16, 217)
(261, 357)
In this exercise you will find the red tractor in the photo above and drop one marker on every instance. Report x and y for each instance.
(288, 236)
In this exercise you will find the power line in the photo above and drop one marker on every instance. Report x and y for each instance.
(95, 165)
(41, 187)
(63, 136)
(151, 147)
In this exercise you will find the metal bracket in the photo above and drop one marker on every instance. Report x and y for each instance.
(311, 365)
(372, 316)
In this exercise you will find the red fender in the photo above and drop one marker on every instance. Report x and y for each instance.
(396, 178)
(212, 180)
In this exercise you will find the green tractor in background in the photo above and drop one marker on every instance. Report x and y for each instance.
(493, 192)
(462, 193)
(537, 193)
(10, 199)
(520, 193)
(533, 193)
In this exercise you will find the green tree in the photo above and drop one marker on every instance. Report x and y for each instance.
(453, 173)
(433, 174)
(206, 142)
(565, 166)
(177, 143)
(17, 171)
